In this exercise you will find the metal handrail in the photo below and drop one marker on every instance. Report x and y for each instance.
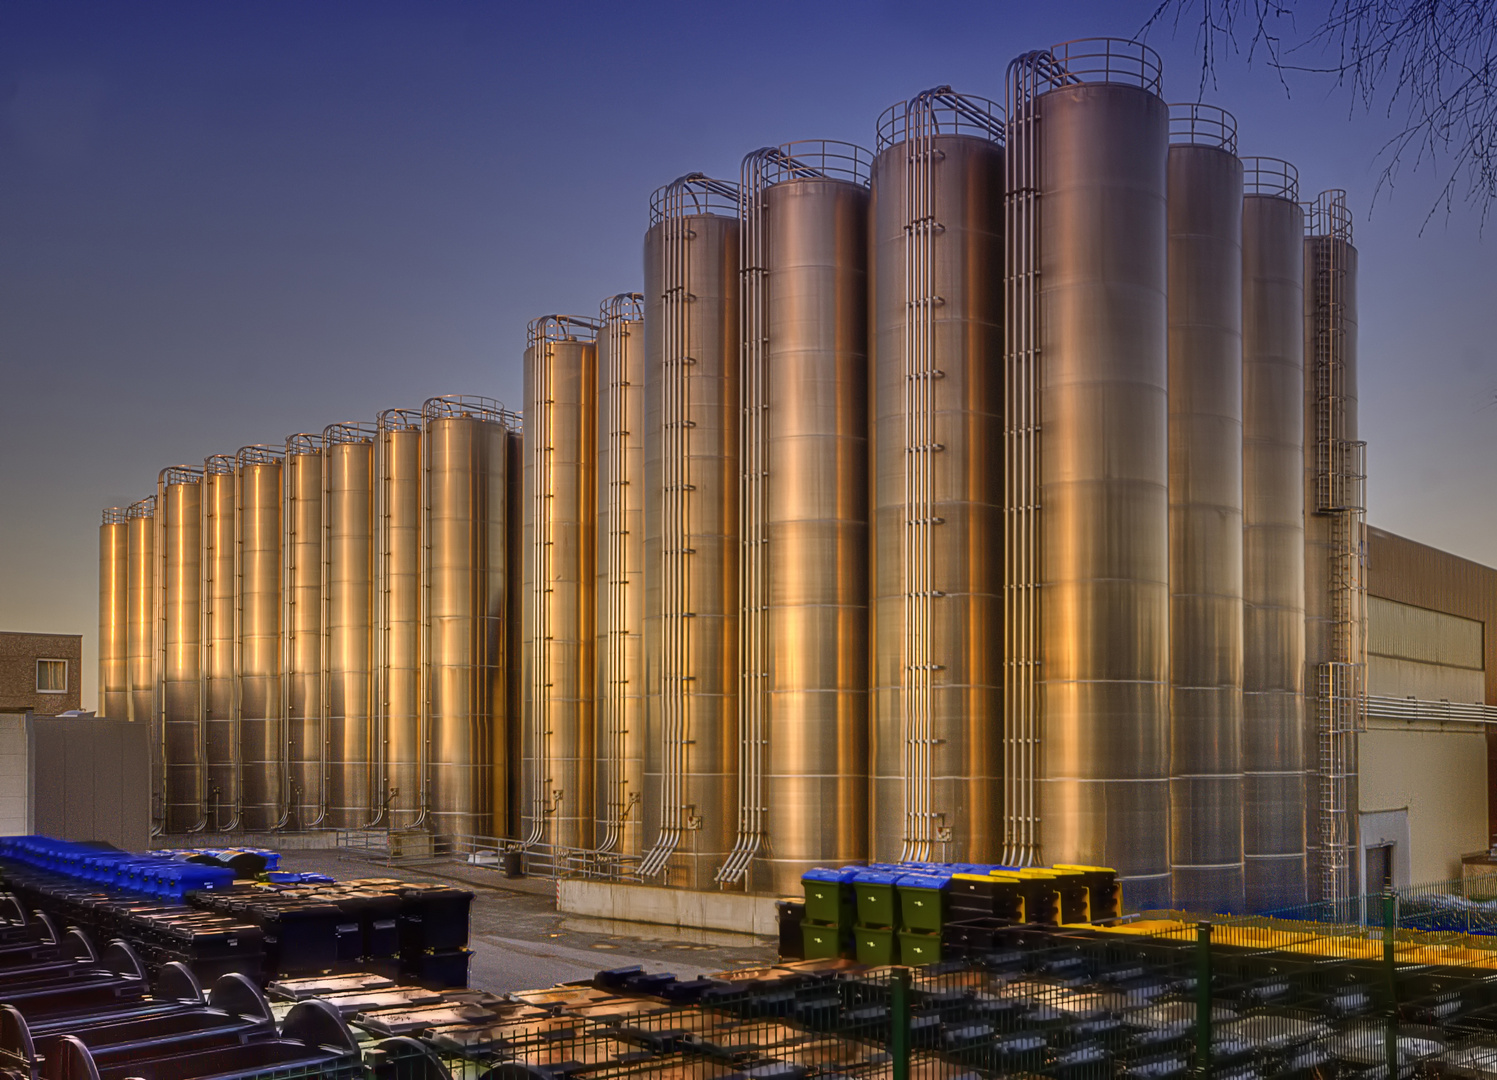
(115, 515)
(1194, 123)
(1328, 216)
(691, 195)
(352, 431)
(218, 465)
(468, 407)
(808, 159)
(1270, 176)
(1120, 61)
(142, 508)
(941, 111)
(259, 454)
(398, 420)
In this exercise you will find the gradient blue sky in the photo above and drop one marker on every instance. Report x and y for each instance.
(223, 223)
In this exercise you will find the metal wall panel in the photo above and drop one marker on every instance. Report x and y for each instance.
(936, 340)
(114, 597)
(1104, 689)
(1273, 749)
(1205, 515)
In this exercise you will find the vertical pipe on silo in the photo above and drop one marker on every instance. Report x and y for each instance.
(219, 700)
(1273, 538)
(114, 597)
(691, 527)
(1104, 692)
(560, 412)
(936, 414)
(1205, 509)
(398, 694)
(619, 563)
(179, 551)
(301, 683)
(354, 748)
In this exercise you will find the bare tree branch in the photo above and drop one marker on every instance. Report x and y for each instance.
(1431, 63)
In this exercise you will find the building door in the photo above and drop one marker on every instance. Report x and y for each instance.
(1379, 868)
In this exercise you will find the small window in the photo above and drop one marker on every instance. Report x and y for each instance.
(52, 676)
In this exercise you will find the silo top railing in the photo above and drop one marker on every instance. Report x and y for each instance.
(623, 307)
(399, 420)
(219, 464)
(1328, 216)
(1109, 60)
(1270, 176)
(561, 328)
(692, 195)
(469, 407)
(1196, 124)
(303, 442)
(941, 111)
(142, 508)
(813, 159)
(259, 454)
(349, 432)
(181, 474)
(115, 515)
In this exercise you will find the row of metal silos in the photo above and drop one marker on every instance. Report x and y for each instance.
(974, 477)
(318, 631)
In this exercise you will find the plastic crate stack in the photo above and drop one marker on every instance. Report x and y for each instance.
(921, 913)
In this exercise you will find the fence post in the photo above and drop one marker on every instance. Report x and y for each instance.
(899, 1022)
(1203, 999)
(1390, 940)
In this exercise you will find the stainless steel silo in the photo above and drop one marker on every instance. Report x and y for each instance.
(140, 627)
(301, 629)
(558, 579)
(1097, 134)
(219, 698)
(691, 529)
(1335, 517)
(263, 797)
(114, 601)
(465, 453)
(506, 796)
(398, 530)
(1273, 536)
(1205, 509)
(352, 737)
(179, 634)
(803, 513)
(619, 564)
(937, 486)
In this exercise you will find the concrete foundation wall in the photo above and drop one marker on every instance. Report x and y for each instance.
(668, 907)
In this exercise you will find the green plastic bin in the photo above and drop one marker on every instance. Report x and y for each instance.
(876, 944)
(877, 904)
(820, 942)
(922, 903)
(916, 948)
(828, 896)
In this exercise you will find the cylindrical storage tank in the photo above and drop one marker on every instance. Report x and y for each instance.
(262, 752)
(220, 705)
(1273, 536)
(398, 525)
(140, 626)
(466, 538)
(559, 492)
(508, 743)
(179, 545)
(805, 439)
(114, 605)
(937, 486)
(301, 622)
(1335, 587)
(353, 746)
(1102, 144)
(691, 530)
(1205, 511)
(619, 565)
